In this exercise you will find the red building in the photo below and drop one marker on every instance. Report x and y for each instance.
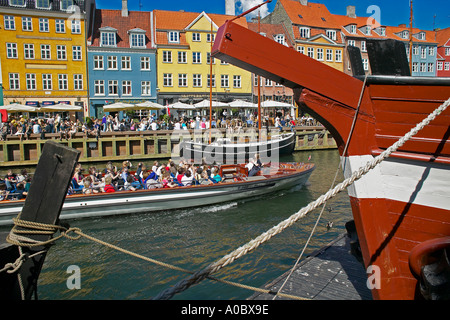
(443, 53)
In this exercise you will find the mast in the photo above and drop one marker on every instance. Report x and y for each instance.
(410, 37)
(210, 84)
(259, 85)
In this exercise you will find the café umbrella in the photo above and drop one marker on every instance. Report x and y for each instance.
(17, 107)
(60, 107)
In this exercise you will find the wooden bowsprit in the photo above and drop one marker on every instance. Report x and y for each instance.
(43, 205)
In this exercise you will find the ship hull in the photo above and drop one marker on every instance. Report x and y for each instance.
(402, 207)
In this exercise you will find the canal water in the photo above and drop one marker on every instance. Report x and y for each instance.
(194, 238)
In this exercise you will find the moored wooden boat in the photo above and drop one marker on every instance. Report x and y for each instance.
(236, 185)
(402, 207)
(223, 151)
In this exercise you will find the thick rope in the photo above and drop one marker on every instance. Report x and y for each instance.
(253, 244)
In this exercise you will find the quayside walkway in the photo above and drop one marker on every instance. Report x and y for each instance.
(331, 273)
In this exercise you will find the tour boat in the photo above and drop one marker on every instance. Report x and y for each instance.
(236, 185)
(225, 151)
(401, 208)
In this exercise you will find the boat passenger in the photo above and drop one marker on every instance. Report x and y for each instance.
(255, 165)
(108, 188)
(187, 178)
(88, 188)
(215, 175)
(180, 174)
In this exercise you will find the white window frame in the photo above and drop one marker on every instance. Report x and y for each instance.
(98, 63)
(305, 32)
(423, 52)
(46, 52)
(332, 34)
(44, 25)
(137, 40)
(146, 88)
(447, 66)
(320, 54)
(30, 81)
(145, 64)
(125, 63)
(63, 82)
(60, 26)
(167, 56)
(113, 87)
(112, 63)
(27, 24)
(196, 37)
(311, 52)
(182, 80)
(14, 81)
(11, 50)
(338, 55)
(213, 80)
(329, 55)
(173, 36)
(440, 65)
(127, 88)
(224, 81)
(47, 82)
(28, 51)
(237, 82)
(78, 82)
(77, 53)
(196, 57)
(108, 39)
(75, 26)
(9, 22)
(99, 87)
(61, 53)
(182, 57)
(167, 80)
(197, 80)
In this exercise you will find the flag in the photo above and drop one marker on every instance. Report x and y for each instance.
(309, 158)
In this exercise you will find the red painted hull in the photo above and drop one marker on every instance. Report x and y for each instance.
(406, 201)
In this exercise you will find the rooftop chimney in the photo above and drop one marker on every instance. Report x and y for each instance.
(304, 2)
(351, 11)
(230, 8)
(124, 8)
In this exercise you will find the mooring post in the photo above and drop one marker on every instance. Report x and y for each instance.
(42, 205)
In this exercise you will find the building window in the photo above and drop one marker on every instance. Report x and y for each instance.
(9, 23)
(61, 52)
(431, 67)
(43, 25)
(383, 31)
(60, 26)
(182, 57)
(174, 37)
(76, 26)
(66, 4)
(29, 50)
(31, 81)
(320, 54)
(331, 34)
(365, 64)
(47, 81)
(45, 52)
(137, 40)
(112, 63)
(447, 66)
(62, 82)
(329, 55)
(268, 83)
(431, 51)
(196, 80)
(146, 88)
(363, 46)
(423, 51)
(305, 32)
(108, 39)
(14, 82)
(99, 87)
(78, 82)
(415, 67)
(196, 37)
(237, 83)
(447, 51)
(98, 63)
(167, 56)
(440, 66)
(27, 25)
(113, 87)
(338, 56)
(43, 4)
(353, 29)
(423, 67)
(224, 82)
(368, 30)
(182, 80)
(405, 35)
(11, 51)
(167, 80)
(301, 50)
(351, 43)
(208, 59)
(210, 37)
(126, 63)
(311, 52)
(77, 53)
(415, 50)
(280, 39)
(126, 88)
(145, 63)
(213, 79)
(196, 57)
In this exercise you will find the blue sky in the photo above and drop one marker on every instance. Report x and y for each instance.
(392, 12)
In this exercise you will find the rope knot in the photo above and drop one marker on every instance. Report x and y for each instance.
(76, 231)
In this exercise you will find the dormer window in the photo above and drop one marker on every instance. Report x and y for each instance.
(305, 32)
(331, 34)
(137, 38)
(405, 34)
(382, 31)
(280, 39)
(43, 4)
(353, 29)
(174, 37)
(17, 3)
(66, 4)
(108, 37)
(422, 36)
(368, 30)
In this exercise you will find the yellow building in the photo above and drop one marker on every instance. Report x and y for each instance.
(183, 42)
(43, 53)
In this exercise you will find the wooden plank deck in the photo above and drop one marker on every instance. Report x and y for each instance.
(330, 273)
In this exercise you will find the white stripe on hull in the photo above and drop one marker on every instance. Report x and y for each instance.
(422, 183)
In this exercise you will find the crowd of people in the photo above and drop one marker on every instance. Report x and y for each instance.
(159, 175)
(66, 128)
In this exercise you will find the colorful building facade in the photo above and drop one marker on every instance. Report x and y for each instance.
(121, 59)
(443, 51)
(183, 41)
(43, 52)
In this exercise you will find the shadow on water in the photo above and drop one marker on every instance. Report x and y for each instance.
(194, 238)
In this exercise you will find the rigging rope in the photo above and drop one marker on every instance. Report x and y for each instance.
(253, 244)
